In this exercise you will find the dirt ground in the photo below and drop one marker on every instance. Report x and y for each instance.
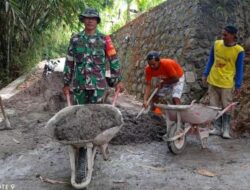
(139, 158)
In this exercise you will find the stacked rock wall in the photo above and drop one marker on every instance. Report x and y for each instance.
(180, 29)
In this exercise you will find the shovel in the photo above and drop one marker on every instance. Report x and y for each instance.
(150, 98)
(7, 122)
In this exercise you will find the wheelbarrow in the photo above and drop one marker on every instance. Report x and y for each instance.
(180, 119)
(82, 151)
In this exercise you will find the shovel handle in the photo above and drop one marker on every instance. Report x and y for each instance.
(149, 99)
(152, 95)
(142, 110)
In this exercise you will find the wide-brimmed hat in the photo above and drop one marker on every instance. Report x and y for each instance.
(90, 13)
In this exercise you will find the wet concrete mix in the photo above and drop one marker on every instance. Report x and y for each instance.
(85, 122)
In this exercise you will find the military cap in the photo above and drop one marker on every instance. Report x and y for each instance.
(90, 13)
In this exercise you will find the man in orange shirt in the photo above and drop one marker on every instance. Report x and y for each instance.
(170, 74)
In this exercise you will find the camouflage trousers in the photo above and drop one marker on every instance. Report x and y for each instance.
(88, 96)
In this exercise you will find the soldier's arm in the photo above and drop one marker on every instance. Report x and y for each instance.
(69, 65)
(115, 66)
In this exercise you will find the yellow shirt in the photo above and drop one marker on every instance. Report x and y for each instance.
(224, 67)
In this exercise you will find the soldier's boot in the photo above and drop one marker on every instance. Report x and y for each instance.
(217, 127)
(226, 126)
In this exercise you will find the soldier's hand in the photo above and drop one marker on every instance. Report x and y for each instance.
(66, 90)
(119, 86)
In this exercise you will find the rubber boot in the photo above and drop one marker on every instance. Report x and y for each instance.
(217, 127)
(226, 126)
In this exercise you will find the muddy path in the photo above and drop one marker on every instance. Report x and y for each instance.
(139, 159)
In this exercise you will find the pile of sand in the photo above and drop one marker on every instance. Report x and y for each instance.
(146, 128)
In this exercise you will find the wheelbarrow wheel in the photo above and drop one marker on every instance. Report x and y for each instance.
(81, 165)
(177, 146)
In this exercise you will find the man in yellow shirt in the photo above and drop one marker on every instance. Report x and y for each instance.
(224, 75)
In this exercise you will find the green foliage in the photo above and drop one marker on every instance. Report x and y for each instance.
(121, 12)
(55, 42)
(30, 29)
(50, 44)
(145, 4)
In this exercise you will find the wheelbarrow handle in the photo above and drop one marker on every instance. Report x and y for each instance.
(226, 109)
(115, 96)
(68, 99)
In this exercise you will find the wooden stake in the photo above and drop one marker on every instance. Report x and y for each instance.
(7, 122)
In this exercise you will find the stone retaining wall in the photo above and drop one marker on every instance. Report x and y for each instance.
(183, 30)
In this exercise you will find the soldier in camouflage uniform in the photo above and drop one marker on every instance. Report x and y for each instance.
(88, 53)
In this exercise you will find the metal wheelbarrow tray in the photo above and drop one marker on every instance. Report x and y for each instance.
(84, 128)
(181, 118)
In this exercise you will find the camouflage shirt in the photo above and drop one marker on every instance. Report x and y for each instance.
(86, 61)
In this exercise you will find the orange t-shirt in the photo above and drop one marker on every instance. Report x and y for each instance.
(168, 69)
